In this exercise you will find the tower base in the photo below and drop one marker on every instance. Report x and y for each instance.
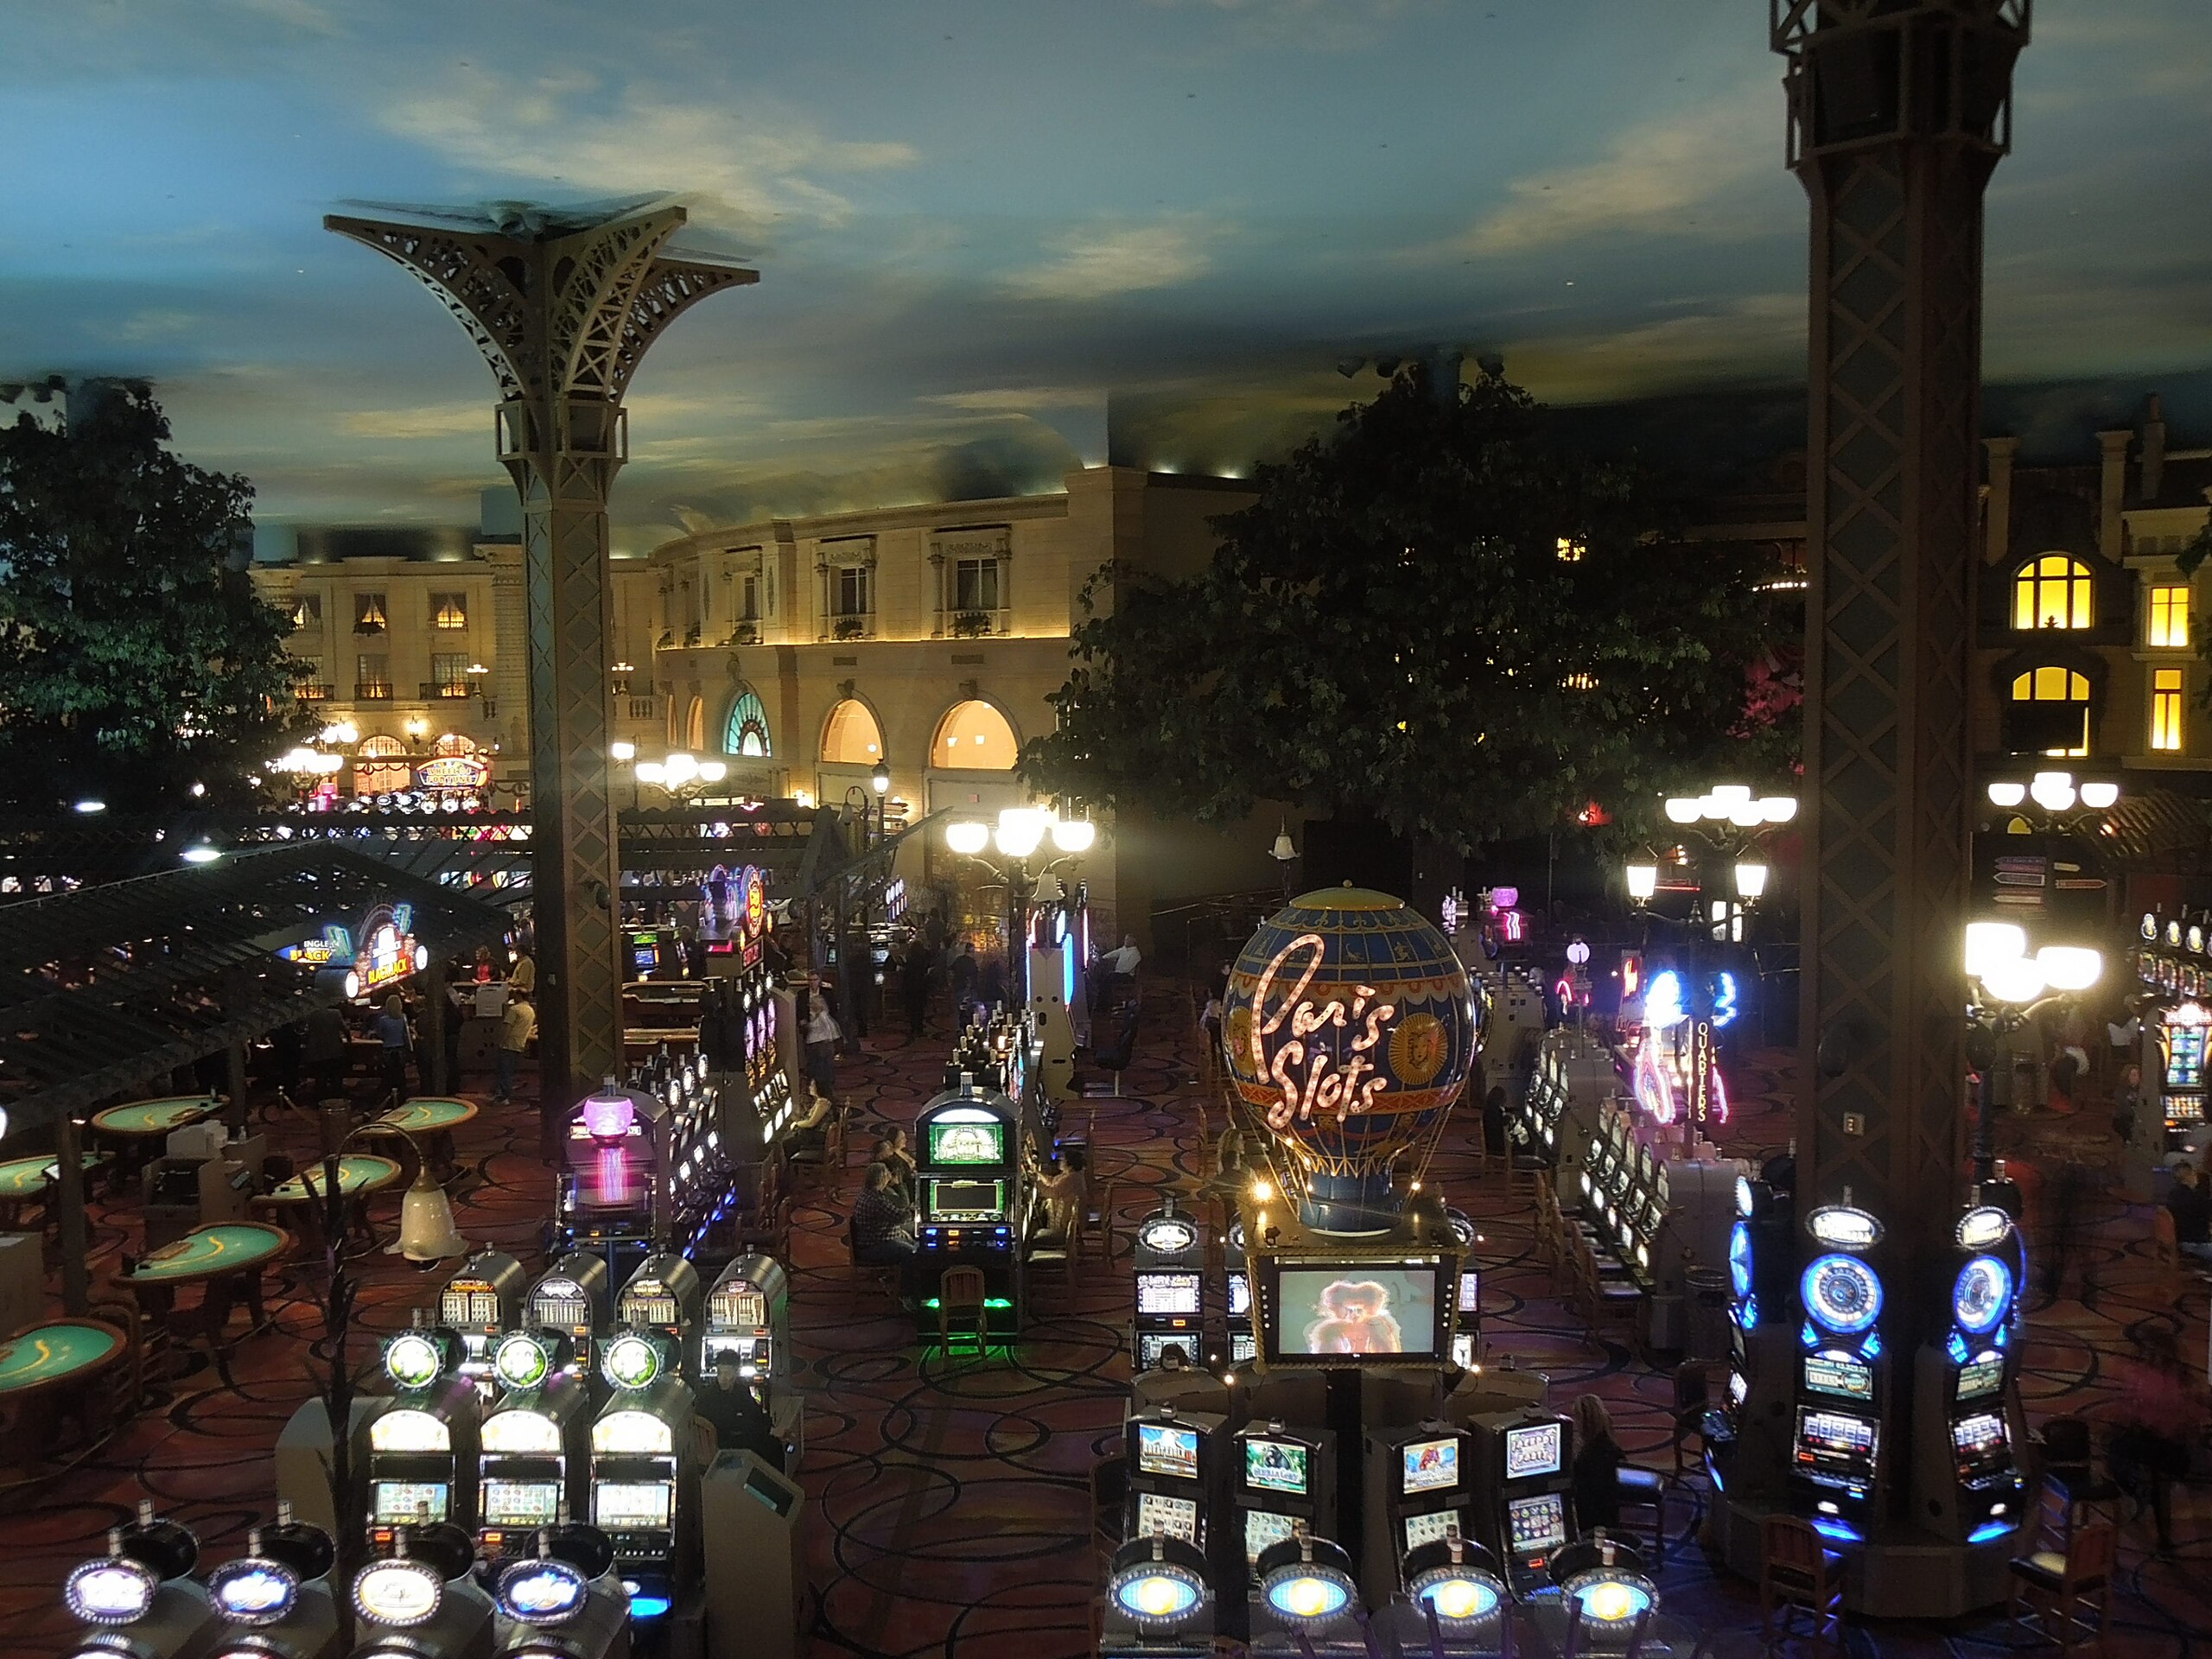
(1908, 1576)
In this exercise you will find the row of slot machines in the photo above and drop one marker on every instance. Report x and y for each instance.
(1809, 1359)
(1554, 1120)
(1259, 1508)
(562, 1600)
(1651, 1221)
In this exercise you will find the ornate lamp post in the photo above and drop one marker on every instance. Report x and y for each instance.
(1017, 835)
(2005, 988)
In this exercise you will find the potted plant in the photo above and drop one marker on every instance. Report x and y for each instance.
(971, 625)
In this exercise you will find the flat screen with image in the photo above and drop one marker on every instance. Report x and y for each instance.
(1176, 1517)
(1980, 1379)
(1276, 1465)
(403, 1502)
(1167, 1449)
(521, 1502)
(1430, 1465)
(1471, 1291)
(1152, 1346)
(1167, 1293)
(1261, 1528)
(1536, 1525)
(1240, 1295)
(1429, 1529)
(1360, 1309)
(967, 1200)
(633, 1503)
(1535, 1449)
(967, 1143)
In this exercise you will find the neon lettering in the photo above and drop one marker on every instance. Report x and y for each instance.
(1324, 1086)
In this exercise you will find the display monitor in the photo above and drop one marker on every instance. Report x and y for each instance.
(2185, 1056)
(651, 1310)
(1363, 1310)
(967, 1200)
(1242, 1346)
(1834, 1437)
(1838, 1375)
(1535, 1449)
(1240, 1295)
(1471, 1291)
(1152, 1346)
(1429, 1465)
(633, 1503)
(1167, 1293)
(1981, 1438)
(470, 1302)
(1272, 1465)
(1980, 1378)
(521, 1502)
(1176, 1517)
(1536, 1526)
(1429, 1529)
(741, 1310)
(959, 1142)
(1167, 1449)
(403, 1502)
(1463, 1350)
(1263, 1528)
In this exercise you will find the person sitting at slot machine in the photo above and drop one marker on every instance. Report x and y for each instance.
(1060, 1197)
(811, 1132)
(890, 1151)
(1597, 1471)
(729, 1406)
(2191, 1208)
(883, 1231)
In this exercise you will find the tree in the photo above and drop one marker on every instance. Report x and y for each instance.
(1434, 617)
(135, 658)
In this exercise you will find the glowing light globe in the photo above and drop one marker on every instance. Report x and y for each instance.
(1351, 1026)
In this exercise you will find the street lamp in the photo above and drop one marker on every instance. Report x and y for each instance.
(2055, 793)
(2006, 988)
(1021, 830)
(1642, 880)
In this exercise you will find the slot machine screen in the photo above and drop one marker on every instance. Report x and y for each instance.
(649, 1310)
(1463, 1350)
(561, 1308)
(1361, 1310)
(1833, 1437)
(743, 1310)
(631, 1502)
(1167, 1293)
(1240, 1295)
(1841, 1375)
(521, 1502)
(1243, 1346)
(1177, 1517)
(470, 1304)
(1152, 1346)
(1261, 1528)
(967, 1143)
(403, 1502)
(1429, 1529)
(1471, 1291)
(1536, 1526)
(1430, 1466)
(1980, 1379)
(1738, 1388)
(1167, 1449)
(1536, 1449)
(1277, 1465)
(2185, 1056)
(1980, 1440)
(967, 1200)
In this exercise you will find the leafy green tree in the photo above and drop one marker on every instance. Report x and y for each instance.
(1438, 618)
(135, 658)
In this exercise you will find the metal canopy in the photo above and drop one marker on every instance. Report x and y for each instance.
(108, 989)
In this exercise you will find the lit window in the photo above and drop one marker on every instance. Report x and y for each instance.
(2165, 709)
(851, 738)
(974, 737)
(449, 611)
(1581, 681)
(1571, 550)
(2065, 728)
(746, 730)
(975, 585)
(307, 612)
(449, 672)
(2052, 592)
(372, 675)
(368, 614)
(2170, 615)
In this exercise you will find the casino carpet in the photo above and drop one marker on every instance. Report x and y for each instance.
(952, 1492)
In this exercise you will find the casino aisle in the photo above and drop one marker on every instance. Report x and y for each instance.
(953, 1508)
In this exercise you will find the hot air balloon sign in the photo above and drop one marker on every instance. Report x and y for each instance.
(1350, 1030)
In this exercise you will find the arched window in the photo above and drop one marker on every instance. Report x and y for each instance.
(974, 737)
(746, 730)
(380, 766)
(2050, 711)
(851, 738)
(452, 743)
(694, 726)
(2053, 591)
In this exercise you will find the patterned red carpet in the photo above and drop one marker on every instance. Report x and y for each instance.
(952, 1499)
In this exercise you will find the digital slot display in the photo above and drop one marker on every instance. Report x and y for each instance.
(1536, 1526)
(1167, 1293)
(1276, 1466)
(967, 1143)
(1177, 1517)
(1361, 1310)
(1152, 1346)
(1830, 1435)
(1838, 1375)
(631, 1503)
(967, 1200)
(521, 1502)
(1429, 1466)
(1471, 1291)
(1261, 1528)
(1980, 1379)
(1979, 1436)
(1537, 1449)
(403, 1502)
(1167, 1449)
(1429, 1529)
(1240, 1295)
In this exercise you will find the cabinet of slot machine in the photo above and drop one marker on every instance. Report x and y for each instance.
(1837, 1467)
(482, 1300)
(139, 1599)
(748, 1318)
(1419, 1483)
(275, 1601)
(662, 1298)
(970, 1171)
(421, 1444)
(1523, 1493)
(1280, 1476)
(1747, 1429)
(1965, 1406)
(608, 1196)
(532, 1450)
(574, 1297)
(422, 1606)
(1175, 1462)
(644, 1478)
(1170, 1281)
(2176, 1039)
(1236, 1296)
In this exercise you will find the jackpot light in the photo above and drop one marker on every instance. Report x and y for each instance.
(1309, 1583)
(1159, 1584)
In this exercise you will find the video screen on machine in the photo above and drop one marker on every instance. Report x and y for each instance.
(1240, 1295)
(1430, 1465)
(967, 1143)
(1536, 1526)
(957, 1200)
(1537, 1449)
(1463, 1350)
(631, 1502)
(1979, 1436)
(1471, 1291)
(1357, 1310)
(1980, 1379)
(1167, 1449)
(2185, 1056)
(1833, 1437)
(1261, 1528)
(1242, 1346)
(1838, 1375)
(1429, 1529)
(1277, 1465)
(521, 1502)
(1177, 1517)
(401, 1502)
(1152, 1346)
(1167, 1293)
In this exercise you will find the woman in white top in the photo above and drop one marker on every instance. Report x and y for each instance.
(819, 1030)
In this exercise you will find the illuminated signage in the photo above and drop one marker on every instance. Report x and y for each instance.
(114, 1590)
(1980, 1227)
(1840, 1227)
(401, 1593)
(544, 1591)
(412, 1361)
(253, 1591)
(452, 772)
(1326, 1086)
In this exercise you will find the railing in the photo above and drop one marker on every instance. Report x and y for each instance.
(313, 690)
(372, 691)
(435, 689)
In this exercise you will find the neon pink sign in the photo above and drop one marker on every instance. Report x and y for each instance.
(1317, 1075)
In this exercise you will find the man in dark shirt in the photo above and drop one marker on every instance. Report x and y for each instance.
(882, 1226)
(2191, 1208)
(740, 1421)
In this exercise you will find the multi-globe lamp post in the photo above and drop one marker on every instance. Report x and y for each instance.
(1019, 831)
(2055, 796)
(2006, 987)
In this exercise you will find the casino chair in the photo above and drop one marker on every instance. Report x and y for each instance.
(1799, 1574)
(2072, 1489)
(1638, 1488)
(1693, 1399)
(2062, 1586)
(960, 1294)
(1110, 1492)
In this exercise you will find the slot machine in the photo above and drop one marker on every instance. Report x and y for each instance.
(748, 1314)
(530, 1448)
(482, 1300)
(423, 1444)
(1237, 1298)
(644, 1478)
(421, 1601)
(608, 1195)
(1523, 1493)
(1747, 1430)
(661, 1297)
(546, 1607)
(1159, 1604)
(1175, 1475)
(1282, 1477)
(139, 1601)
(2175, 1039)
(1468, 1298)
(1170, 1281)
(275, 1601)
(1684, 1220)
(1418, 1487)
(1836, 1457)
(1966, 1407)
(574, 1297)
(969, 1165)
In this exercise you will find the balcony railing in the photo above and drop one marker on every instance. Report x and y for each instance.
(433, 690)
(313, 690)
(372, 690)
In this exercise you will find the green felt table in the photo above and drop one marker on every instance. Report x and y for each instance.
(359, 1174)
(55, 1352)
(225, 1247)
(26, 1178)
(147, 1118)
(428, 1113)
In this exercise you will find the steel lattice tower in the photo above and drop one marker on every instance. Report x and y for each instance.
(563, 307)
(1899, 111)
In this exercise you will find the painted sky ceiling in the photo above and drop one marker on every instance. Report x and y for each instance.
(989, 231)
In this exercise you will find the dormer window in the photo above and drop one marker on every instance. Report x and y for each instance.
(2053, 590)
(306, 611)
(449, 612)
(369, 613)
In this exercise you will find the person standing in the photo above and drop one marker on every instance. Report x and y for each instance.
(522, 978)
(518, 1024)
(327, 1049)
(819, 1030)
(396, 1040)
(914, 976)
(965, 972)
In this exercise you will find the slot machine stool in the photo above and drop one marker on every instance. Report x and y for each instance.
(1644, 1489)
(2061, 1586)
